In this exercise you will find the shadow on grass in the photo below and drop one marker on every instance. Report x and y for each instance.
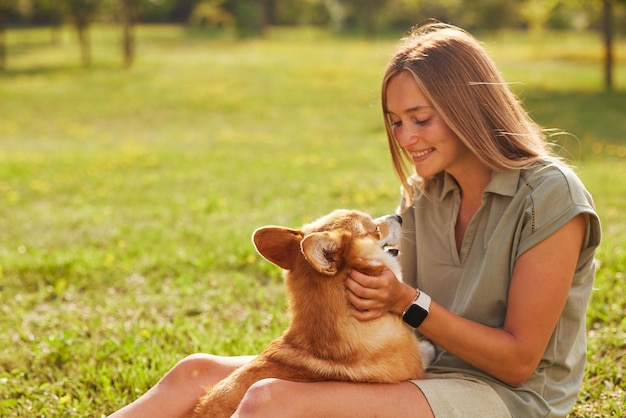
(51, 70)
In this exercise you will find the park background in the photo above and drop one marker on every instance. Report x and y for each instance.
(141, 143)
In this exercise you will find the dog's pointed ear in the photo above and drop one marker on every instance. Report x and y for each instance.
(321, 250)
(278, 245)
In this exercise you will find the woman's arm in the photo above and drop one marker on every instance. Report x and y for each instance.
(539, 287)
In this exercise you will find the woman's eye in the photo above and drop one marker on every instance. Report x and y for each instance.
(421, 122)
(395, 124)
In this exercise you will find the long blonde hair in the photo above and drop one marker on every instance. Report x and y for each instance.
(461, 81)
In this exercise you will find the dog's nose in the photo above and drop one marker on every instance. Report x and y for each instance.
(399, 219)
(393, 251)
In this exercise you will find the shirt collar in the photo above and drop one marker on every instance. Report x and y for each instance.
(449, 185)
(503, 182)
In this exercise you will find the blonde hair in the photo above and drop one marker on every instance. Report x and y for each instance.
(464, 86)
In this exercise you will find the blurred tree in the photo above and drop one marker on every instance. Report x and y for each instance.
(6, 7)
(83, 13)
(488, 14)
(164, 10)
(50, 12)
(607, 23)
(536, 13)
(250, 16)
(269, 10)
(305, 12)
(607, 30)
(128, 11)
(404, 14)
(338, 13)
(367, 13)
(211, 13)
(180, 10)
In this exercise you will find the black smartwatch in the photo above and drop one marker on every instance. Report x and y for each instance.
(417, 311)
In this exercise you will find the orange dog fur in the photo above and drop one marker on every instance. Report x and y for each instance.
(324, 342)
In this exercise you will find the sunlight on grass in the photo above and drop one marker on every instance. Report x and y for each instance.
(129, 197)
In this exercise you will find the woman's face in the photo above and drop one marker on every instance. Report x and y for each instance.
(421, 131)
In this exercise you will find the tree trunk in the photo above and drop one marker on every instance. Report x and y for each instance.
(269, 12)
(127, 18)
(607, 25)
(55, 34)
(3, 47)
(128, 43)
(85, 47)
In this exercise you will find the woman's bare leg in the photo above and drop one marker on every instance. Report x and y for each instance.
(178, 391)
(278, 398)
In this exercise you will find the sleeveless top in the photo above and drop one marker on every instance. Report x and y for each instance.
(519, 209)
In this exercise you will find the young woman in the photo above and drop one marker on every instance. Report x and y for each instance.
(497, 256)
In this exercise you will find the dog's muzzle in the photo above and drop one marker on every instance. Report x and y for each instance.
(393, 251)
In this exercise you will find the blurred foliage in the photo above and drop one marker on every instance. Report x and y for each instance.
(369, 17)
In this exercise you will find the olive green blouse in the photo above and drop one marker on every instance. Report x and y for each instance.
(519, 209)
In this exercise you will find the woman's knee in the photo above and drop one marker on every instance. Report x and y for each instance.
(268, 397)
(203, 369)
(193, 367)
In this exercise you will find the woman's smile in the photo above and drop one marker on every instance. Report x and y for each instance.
(419, 156)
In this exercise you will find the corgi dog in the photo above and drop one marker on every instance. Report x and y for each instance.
(324, 342)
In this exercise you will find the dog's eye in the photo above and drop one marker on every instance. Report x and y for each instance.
(377, 230)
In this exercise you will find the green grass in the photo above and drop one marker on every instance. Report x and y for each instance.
(129, 197)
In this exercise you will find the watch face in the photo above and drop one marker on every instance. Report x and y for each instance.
(415, 315)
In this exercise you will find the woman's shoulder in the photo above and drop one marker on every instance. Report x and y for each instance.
(555, 179)
(551, 194)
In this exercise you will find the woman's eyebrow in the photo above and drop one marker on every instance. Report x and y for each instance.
(416, 108)
(411, 109)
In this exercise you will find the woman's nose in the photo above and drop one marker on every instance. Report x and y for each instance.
(406, 137)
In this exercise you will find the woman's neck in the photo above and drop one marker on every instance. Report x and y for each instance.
(472, 180)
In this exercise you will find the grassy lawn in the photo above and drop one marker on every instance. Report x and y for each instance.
(129, 197)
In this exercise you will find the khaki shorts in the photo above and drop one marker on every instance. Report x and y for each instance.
(457, 395)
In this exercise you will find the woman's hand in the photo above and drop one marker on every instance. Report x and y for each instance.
(374, 296)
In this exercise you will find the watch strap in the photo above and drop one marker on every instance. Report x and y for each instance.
(423, 300)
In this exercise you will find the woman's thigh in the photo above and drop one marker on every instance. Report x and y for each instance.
(279, 398)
